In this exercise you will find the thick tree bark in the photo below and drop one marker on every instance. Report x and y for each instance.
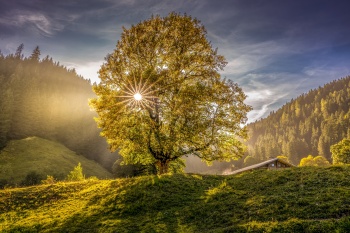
(163, 167)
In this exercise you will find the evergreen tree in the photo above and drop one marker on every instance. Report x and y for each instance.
(35, 56)
(19, 51)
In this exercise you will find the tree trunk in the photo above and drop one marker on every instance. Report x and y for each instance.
(163, 167)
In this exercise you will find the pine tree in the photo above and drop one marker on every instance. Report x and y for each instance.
(35, 56)
(19, 51)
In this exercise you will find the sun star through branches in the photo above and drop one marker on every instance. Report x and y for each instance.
(136, 94)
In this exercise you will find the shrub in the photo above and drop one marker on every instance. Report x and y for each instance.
(76, 174)
(32, 178)
(49, 180)
(314, 161)
(3, 183)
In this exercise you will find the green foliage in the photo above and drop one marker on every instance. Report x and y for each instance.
(32, 178)
(302, 199)
(49, 180)
(314, 161)
(341, 152)
(177, 166)
(309, 124)
(187, 108)
(76, 174)
(321, 161)
(283, 157)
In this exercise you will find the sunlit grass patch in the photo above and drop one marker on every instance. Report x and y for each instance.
(293, 200)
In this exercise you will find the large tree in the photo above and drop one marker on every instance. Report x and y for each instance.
(161, 96)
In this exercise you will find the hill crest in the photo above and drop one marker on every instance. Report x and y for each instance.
(44, 157)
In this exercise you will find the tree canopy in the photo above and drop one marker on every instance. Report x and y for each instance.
(161, 96)
(341, 152)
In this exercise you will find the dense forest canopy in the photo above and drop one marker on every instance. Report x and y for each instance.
(308, 125)
(45, 99)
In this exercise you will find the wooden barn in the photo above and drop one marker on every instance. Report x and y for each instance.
(274, 163)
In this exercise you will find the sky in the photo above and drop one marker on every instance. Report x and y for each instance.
(276, 49)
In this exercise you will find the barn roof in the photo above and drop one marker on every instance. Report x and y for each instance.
(260, 165)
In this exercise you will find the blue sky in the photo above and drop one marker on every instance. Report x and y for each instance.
(276, 49)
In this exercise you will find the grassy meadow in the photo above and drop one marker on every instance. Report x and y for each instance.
(307, 199)
(45, 157)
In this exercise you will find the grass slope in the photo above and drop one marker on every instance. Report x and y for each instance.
(293, 200)
(45, 157)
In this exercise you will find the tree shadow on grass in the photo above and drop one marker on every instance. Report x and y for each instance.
(280, 201)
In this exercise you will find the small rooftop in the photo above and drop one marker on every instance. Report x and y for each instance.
(260, 165)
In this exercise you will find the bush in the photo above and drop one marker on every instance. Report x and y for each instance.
(76, 174)
(32, 178)
(314, 161)
(49, 180)
(3, 183)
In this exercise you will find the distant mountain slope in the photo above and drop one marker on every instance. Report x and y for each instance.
(305, 199)
(45, 99)
(45, 157)
(310, 124)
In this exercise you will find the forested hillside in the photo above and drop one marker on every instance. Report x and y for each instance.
(40, 97)
(308, 125)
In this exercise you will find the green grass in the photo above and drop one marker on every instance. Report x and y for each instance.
(45, 157)
(304, 199)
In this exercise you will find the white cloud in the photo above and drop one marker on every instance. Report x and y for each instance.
(261, 101)
(34, 21)
(247, 58)
(87, 70)
(326, 71)
(266, 96)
